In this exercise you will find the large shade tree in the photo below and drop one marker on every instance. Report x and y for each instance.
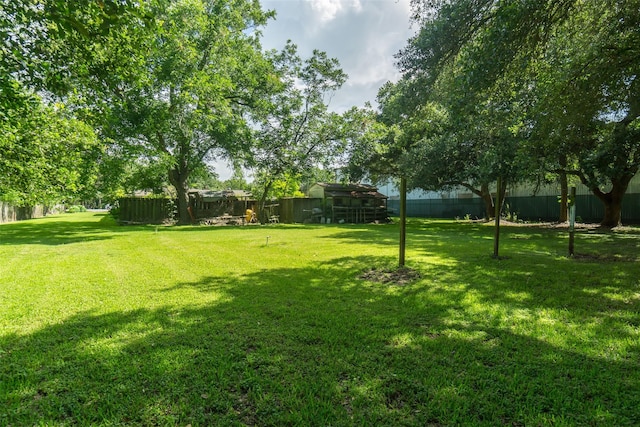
(167, 80)
(466, 57)
(185, 102)
(578, 60)
(475, 145)
(438, 146)
(586, 111)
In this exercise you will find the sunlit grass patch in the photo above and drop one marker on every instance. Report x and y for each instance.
(103, 325)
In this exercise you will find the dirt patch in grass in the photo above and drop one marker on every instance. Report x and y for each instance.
(589, 227)
(399, 276)
(542, 224)
(604, 257)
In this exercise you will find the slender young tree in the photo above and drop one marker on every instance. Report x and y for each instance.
(297, 132)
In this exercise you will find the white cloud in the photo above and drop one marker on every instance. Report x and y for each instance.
(364, 35)
(327, 10)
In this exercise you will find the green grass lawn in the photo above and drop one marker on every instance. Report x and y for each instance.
(102, 324)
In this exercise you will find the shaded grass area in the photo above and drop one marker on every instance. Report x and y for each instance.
(109, 325)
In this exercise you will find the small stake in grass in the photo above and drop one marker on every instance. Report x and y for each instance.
(267, 244)
(498, 206)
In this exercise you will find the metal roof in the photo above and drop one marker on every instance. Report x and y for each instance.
(352, 190)
(215, 195)
(347, 187)
(356, 194)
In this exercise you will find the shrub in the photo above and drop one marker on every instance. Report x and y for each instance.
(114, 211)
(75, 209)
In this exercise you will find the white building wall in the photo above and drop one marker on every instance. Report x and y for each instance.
(524, 190)
(391, 190)
(521, 190)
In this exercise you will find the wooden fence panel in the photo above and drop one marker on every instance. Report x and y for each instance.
(145, 210)
(11, 213)
(7, 212)
(297, 210)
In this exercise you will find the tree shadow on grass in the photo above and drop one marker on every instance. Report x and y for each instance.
(59, 230)
(537, 273)
(311, 346)
(462, 233)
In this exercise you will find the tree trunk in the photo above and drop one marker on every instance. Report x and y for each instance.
(403, 221)
(498, 205)
(501, 194)
(489, 206)
(613, 202)
(262, 211)
(612, 212)
(564, 199)
(484, 194)
(613, 199)
(178, 179)
(612, 209)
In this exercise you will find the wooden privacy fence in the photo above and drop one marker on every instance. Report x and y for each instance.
(145, 210)
(10, 213)
(204, 210)
(298, 210)
(139, 210)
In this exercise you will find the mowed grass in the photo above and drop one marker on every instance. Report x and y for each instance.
(103, 324)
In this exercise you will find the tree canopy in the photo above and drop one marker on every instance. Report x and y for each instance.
(48, 48)
(46, 156)
(529, 88)
(296, 132)
(203, 68)
(174, 84)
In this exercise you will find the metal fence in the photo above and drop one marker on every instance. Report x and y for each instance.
(439, 208)
(533, 208)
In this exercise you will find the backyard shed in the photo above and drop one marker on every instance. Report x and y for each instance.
(218, 203)
(353, 203)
